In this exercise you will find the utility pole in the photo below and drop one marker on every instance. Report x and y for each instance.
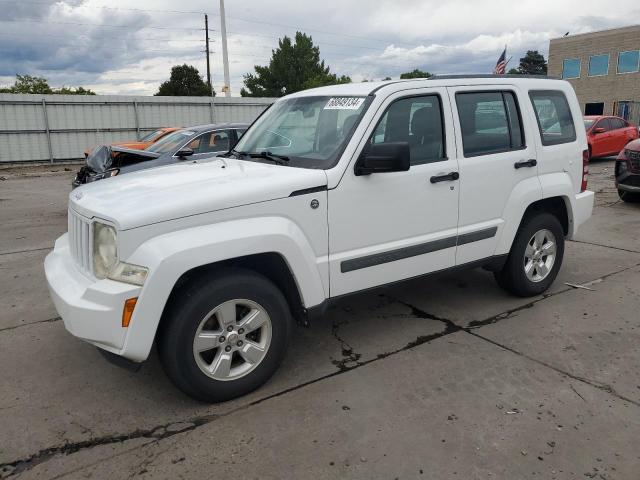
(206, 36)
(225, 55)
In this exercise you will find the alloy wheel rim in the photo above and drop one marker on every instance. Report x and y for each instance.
(540, 255)
(232, 339)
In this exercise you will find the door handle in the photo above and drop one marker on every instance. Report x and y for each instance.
(448, 177)
(532, 162)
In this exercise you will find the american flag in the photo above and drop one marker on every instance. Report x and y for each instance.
(502, 63)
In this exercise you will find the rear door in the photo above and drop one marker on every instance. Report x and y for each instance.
(494, 157)
(624, 133)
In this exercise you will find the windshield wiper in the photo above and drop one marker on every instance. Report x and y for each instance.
(275, 158)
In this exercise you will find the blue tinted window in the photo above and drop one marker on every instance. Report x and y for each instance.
(598, 65)
(571, 68)
(628, 61)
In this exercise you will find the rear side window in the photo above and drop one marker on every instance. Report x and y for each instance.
(617, 123)
(490, 122)
(418, 121)
(554, 117)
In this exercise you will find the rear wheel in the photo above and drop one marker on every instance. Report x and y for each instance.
(629, 197)
(535, 257)
(225, 337)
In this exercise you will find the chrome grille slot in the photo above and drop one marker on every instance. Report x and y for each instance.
(80, 241)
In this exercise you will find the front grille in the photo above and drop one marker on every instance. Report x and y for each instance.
(634, 159)
(80, 241)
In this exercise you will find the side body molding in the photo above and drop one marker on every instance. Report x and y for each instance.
(171, 255)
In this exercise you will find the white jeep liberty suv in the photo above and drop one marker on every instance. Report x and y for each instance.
(331, 191)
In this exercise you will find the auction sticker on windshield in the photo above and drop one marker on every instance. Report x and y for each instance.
(344, 103)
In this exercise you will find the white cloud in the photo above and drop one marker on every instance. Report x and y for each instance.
(363, 39)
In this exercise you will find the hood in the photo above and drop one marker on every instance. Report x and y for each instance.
(189, 188)
(101, 158)
(633, 145)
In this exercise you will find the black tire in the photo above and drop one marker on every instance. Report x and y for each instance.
(512, 277)
(629, 197)
(184, 315)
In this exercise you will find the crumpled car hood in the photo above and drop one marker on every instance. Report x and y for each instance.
(101, 158)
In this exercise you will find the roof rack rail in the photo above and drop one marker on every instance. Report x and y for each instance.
(490, 75)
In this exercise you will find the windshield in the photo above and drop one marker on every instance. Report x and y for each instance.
(588, 123)
(150, 137)
(171, 142)
(310, 131)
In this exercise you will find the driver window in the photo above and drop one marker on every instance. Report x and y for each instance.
(211, 142)
(194, 144)
(418, 121)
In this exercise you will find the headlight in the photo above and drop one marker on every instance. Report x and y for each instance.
(101, 176)
(105, 249)
(105, 258)
(622, 166)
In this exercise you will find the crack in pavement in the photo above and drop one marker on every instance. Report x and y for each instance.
(48, 320)
(164, 431)
(27, 251)
(503, 315)
(599, 385)
(348, 354)
(158, 433)
(605, 246)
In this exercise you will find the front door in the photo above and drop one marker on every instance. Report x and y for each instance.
(602, 142)
(494, 157)
(386, 227)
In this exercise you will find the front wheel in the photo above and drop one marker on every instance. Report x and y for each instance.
(225, 337)
(535, 257)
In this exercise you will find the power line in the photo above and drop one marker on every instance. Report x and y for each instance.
(31, 2)
(96, 24)
(193, 12)
(159, 39)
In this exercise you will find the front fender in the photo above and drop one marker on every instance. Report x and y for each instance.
(171, 255)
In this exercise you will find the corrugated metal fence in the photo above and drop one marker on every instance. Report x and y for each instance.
(60, 127)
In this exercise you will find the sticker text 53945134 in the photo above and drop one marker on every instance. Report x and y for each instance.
(344, 103)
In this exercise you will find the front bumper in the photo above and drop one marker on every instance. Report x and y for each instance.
(91, 309)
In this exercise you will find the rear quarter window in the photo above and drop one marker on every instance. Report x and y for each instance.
(553, 114)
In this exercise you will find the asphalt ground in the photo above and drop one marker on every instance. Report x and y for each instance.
(443, 377)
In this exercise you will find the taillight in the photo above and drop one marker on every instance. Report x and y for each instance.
(585, 170)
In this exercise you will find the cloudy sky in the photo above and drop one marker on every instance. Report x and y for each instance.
(126, 47)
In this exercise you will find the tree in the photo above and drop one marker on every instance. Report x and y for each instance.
(533, 63)
(30, 84)
(74, 91)
(40, 86)
(416, 73)
(185, 80)
(294, 66)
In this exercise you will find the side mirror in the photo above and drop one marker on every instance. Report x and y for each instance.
(599, 130)
(384, 157)
(185, 152)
